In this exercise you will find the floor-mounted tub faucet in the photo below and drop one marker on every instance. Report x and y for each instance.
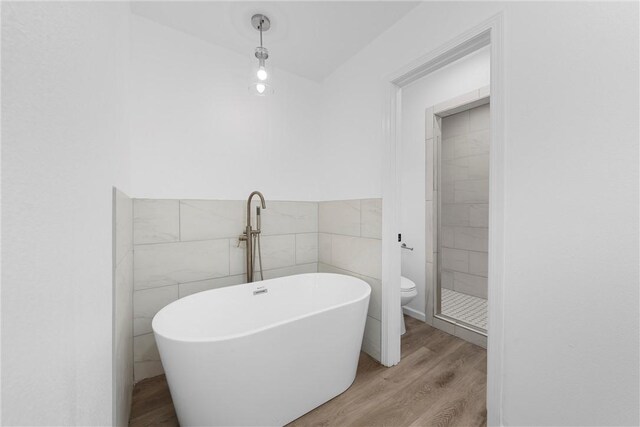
(252, 237)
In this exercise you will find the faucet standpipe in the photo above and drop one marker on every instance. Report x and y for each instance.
(252, 237)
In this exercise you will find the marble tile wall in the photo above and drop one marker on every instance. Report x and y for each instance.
(349, 242)
(123, 305)
(186, 246)
(465, 197)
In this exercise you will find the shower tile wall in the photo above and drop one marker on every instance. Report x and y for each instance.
(465, 198)
(186, 246)
(123, 292)
(349, 238)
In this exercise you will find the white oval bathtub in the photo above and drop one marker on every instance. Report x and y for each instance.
(242, 356)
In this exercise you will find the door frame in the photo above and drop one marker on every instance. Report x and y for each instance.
(489, 32)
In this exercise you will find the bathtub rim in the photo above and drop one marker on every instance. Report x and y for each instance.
(255, 331)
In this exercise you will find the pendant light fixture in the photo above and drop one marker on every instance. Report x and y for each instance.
(260, 82)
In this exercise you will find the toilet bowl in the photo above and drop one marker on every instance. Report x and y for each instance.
(408, 292)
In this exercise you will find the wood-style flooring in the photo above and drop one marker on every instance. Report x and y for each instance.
(441, 381)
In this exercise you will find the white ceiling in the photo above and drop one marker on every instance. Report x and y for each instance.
(310, 39)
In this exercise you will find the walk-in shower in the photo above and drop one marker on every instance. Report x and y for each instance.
(462, 171)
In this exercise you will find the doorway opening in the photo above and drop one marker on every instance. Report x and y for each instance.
(460, 165)
(487, 34)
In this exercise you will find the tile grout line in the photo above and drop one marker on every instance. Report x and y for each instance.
(179, 220)
(229, 237)
(360, 223)
(349, 271)
(229, 275)
(318, 231)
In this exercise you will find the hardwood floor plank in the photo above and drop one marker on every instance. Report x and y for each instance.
(475, 411)
(160, 416)
(440, 381)
(408, 402)
(358, 399)
(464, 407)
(149, 394)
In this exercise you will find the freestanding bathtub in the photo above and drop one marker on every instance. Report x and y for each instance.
(262, 353)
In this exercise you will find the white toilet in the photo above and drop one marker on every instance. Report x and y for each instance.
(407, 293)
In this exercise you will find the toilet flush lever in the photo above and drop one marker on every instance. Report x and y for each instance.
(404, 246)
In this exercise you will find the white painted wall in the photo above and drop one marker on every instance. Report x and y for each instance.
(571, 192)
(64, 144)
(198, 132)
(571, 189)
(463, 76)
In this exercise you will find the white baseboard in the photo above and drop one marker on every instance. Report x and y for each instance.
(414, 313)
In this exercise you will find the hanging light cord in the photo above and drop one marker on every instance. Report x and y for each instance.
(261, 22)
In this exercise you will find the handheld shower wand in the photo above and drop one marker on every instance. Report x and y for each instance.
(256, 242)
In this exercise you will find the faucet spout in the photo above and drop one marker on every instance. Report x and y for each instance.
(262, 202)
(259, 194)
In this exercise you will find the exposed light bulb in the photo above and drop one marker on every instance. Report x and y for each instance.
(260, 88)
(262, 74)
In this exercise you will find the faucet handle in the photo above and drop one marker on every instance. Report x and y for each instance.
(242, 238)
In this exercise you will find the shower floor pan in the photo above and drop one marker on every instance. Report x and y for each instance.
(466, 308)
